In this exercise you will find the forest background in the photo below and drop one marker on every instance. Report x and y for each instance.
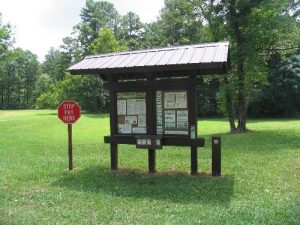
(264, 37)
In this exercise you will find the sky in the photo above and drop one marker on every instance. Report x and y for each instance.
(42, 24)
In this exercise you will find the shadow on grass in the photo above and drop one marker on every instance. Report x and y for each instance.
(47, 114)
(173, 187)
(95, 115)
(87, 114)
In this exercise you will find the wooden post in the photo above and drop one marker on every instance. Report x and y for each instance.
(151, 161)
(70, 145)
(192, 105)
(114, 156)
(113, 128)
(194, 160)
(151, 124)
(216, 156)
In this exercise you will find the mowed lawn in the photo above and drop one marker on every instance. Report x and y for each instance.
(260, 182)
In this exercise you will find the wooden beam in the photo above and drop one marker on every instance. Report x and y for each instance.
(166, 140)
(154, 84)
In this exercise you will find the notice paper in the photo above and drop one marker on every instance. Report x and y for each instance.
(182, 119)
(124, 128)
(142, 121)
(136, 107)
(170, 119)
(175, 100)
(121, 107)
(131, 119)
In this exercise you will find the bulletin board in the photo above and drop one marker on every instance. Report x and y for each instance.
(131, 112)
(172, 112)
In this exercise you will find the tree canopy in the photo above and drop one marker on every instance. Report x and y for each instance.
(264, 38)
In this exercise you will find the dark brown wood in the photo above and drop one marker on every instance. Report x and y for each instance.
(114, 156)
(166, 140)
(113, 113)
(192, 105)
(70, 146)
(151, 160)
(154, 84)
(216, 156)
(113, 128)
(150, 86)
(151, 126)
(194, 160)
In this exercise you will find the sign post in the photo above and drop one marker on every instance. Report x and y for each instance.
(69, 112)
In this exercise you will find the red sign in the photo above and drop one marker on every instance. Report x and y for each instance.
(68, 112)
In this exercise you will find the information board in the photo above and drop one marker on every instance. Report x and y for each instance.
(131, 111)
(172, 112)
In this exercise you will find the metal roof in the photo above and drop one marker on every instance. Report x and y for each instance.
(209, 58)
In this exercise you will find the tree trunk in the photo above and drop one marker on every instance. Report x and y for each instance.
(242, 106)
(230, 112)
(2, 95)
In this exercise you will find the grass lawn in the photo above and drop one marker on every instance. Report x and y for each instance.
(260, 182)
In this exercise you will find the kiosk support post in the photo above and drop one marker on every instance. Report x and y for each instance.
(194, 160)
(151, 160)
(114, 156)
(216, 156)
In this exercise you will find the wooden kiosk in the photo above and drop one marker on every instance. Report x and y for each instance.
(153, 99)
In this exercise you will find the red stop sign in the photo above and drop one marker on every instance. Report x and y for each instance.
(68, 112)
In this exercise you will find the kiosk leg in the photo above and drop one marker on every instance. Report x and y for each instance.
(194, 160)
(151, 160)
(216, 156)
(114, 156)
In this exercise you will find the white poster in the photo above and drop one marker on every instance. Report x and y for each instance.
(139, 130)
(131, 119)
(169, 100)
(175, 100)
(182, 119)
(124, 128)
(136, 107)
(170, 119)
(142, 120)
(121, 107)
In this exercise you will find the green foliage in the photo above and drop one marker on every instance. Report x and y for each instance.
(131, 31)
(95, 16)
(256, 30)
(56, 63)
(225, 97)
(6, 38)
(42, 84)
(106, 43)
(86, 90)
(19, 72)
(281, 97)
(179, 23)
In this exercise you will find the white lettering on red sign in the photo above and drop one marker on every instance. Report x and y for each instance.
(69, 112)
(69, 106)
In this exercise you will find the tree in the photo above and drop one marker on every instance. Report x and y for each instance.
(281, 96)
(106, 43)
(255, 30)
(20, 70)
(131, 31)
(56, 63)
(6, 38)
(95, 16)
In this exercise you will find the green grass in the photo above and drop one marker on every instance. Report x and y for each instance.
(260, 182)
